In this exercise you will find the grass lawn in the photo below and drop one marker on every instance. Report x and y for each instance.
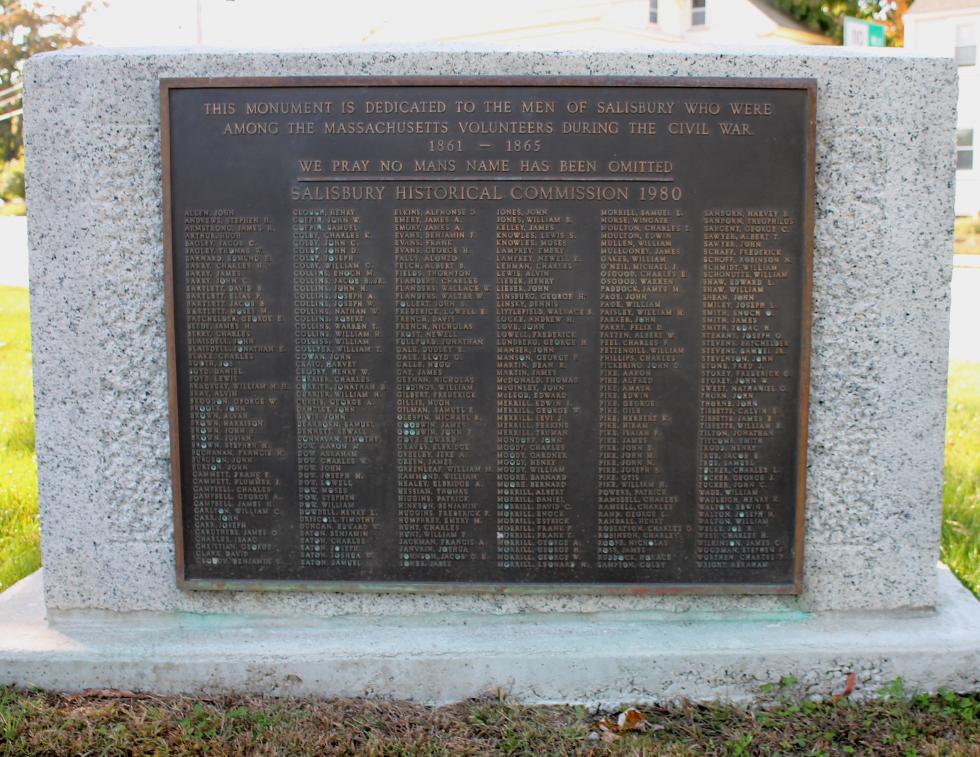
(114, 723)
(20, 545)
(961, 493)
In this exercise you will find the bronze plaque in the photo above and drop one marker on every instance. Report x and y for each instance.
(489, 334)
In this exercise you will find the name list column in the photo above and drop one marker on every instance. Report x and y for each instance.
(237, 495)
(541, 326)
(339, 388)
(642, 313)
(745, 374)
(444, 353)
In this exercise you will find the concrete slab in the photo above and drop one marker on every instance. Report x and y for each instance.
(602, 658)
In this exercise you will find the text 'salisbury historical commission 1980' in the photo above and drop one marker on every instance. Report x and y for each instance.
(489, 334)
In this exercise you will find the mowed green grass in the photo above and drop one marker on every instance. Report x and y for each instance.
(19, 538)
(121, 723)
(961, 492)
(20, 543)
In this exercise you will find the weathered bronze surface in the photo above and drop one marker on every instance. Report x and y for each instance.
(476, 334)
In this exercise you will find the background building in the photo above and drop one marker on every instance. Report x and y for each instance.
(528, 24)
(630, 23)
(949, 27)
(729, 22)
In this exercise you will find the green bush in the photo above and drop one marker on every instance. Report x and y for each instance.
(966, 233)
(12, 179)
(14, 207)
(12, 188)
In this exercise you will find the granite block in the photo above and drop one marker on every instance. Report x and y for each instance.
(882, 264)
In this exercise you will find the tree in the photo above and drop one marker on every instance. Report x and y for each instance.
(24, 31)
(898, 20)
(827, 16)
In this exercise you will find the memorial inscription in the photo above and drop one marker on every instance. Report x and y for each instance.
(489, 334)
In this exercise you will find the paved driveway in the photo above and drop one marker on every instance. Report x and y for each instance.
(13, 251)
(964, 320)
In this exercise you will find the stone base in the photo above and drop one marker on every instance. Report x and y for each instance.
(597, 659)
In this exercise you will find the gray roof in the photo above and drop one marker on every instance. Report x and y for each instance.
(936, 6)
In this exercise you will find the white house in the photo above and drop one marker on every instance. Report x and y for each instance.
(729, 22)
(537, 24)
(588, 24)
(950, 27)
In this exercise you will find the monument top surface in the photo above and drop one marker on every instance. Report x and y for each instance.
(816, 52)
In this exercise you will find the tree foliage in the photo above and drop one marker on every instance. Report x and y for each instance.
(827, 16)
(25, 29)
(30, 29)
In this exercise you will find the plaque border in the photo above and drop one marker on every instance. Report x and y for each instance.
(795, 587)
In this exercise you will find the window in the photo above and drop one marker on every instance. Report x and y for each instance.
(699, 12)
(964, 149)
(653, 11)
(966, 45)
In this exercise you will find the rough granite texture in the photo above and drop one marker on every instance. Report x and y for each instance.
(882, 267)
